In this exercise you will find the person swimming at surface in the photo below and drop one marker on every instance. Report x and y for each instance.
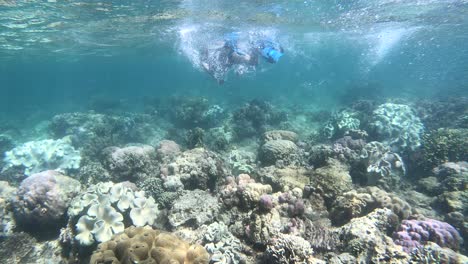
(219, 59)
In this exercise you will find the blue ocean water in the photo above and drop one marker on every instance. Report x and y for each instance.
(126, 58)
(59, 53)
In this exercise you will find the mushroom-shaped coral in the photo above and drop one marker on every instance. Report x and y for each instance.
(146, 245)
(105, 208)
(108, 221)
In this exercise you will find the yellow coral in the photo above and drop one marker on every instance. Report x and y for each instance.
(146, 245)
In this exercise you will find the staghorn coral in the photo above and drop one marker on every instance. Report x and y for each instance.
(43, 198)
(37, 156)
(147, 245)
(105, 208)
(397, 126)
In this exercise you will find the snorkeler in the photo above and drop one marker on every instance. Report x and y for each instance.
(219, 59)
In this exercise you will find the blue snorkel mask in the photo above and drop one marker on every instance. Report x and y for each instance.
(271, 54)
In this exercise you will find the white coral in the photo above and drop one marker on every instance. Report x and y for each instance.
(144, 212)
(37, 156)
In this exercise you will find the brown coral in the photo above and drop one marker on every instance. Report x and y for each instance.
(146, 245)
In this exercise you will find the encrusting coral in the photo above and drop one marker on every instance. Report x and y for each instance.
(147, 245)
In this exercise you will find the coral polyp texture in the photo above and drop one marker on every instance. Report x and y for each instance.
(43, 198)
(397, 126)
(106, 208)
(48, 154)
(147, 245)
(413, 234)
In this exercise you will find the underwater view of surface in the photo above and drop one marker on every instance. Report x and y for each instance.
(196, 131)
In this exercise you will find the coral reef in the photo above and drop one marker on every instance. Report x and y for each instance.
(42, 200)
(331, 180)
(87, 129)
(254, 118)
(193, 208)
(21, 247)
(340, 123)
(288, 249)
(167, 150)
(397, 126)
(284, 178)
(130, 163)
(7, 221)
(414, 233)
(279, 151)
(365, 239)
(105, 208)
(443, 145)
(37, 156)
(194, 169)
(360, 202)
(242, 161)
(384, 167)
(243, 191)
(280, 135)
(222, 245)
(191, 112)
(443, 112)
(6, 143)
(147, 245)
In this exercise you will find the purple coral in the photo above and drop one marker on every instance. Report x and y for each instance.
(414, 233)
(266, 203)
(43, 198)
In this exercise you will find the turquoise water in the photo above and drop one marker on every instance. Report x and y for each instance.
(141, 64)
(131, 49)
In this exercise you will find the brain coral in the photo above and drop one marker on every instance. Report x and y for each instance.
(279, 150)
(146, 245)
(43, 198)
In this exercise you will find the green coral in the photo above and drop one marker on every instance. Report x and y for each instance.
(444, 145)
